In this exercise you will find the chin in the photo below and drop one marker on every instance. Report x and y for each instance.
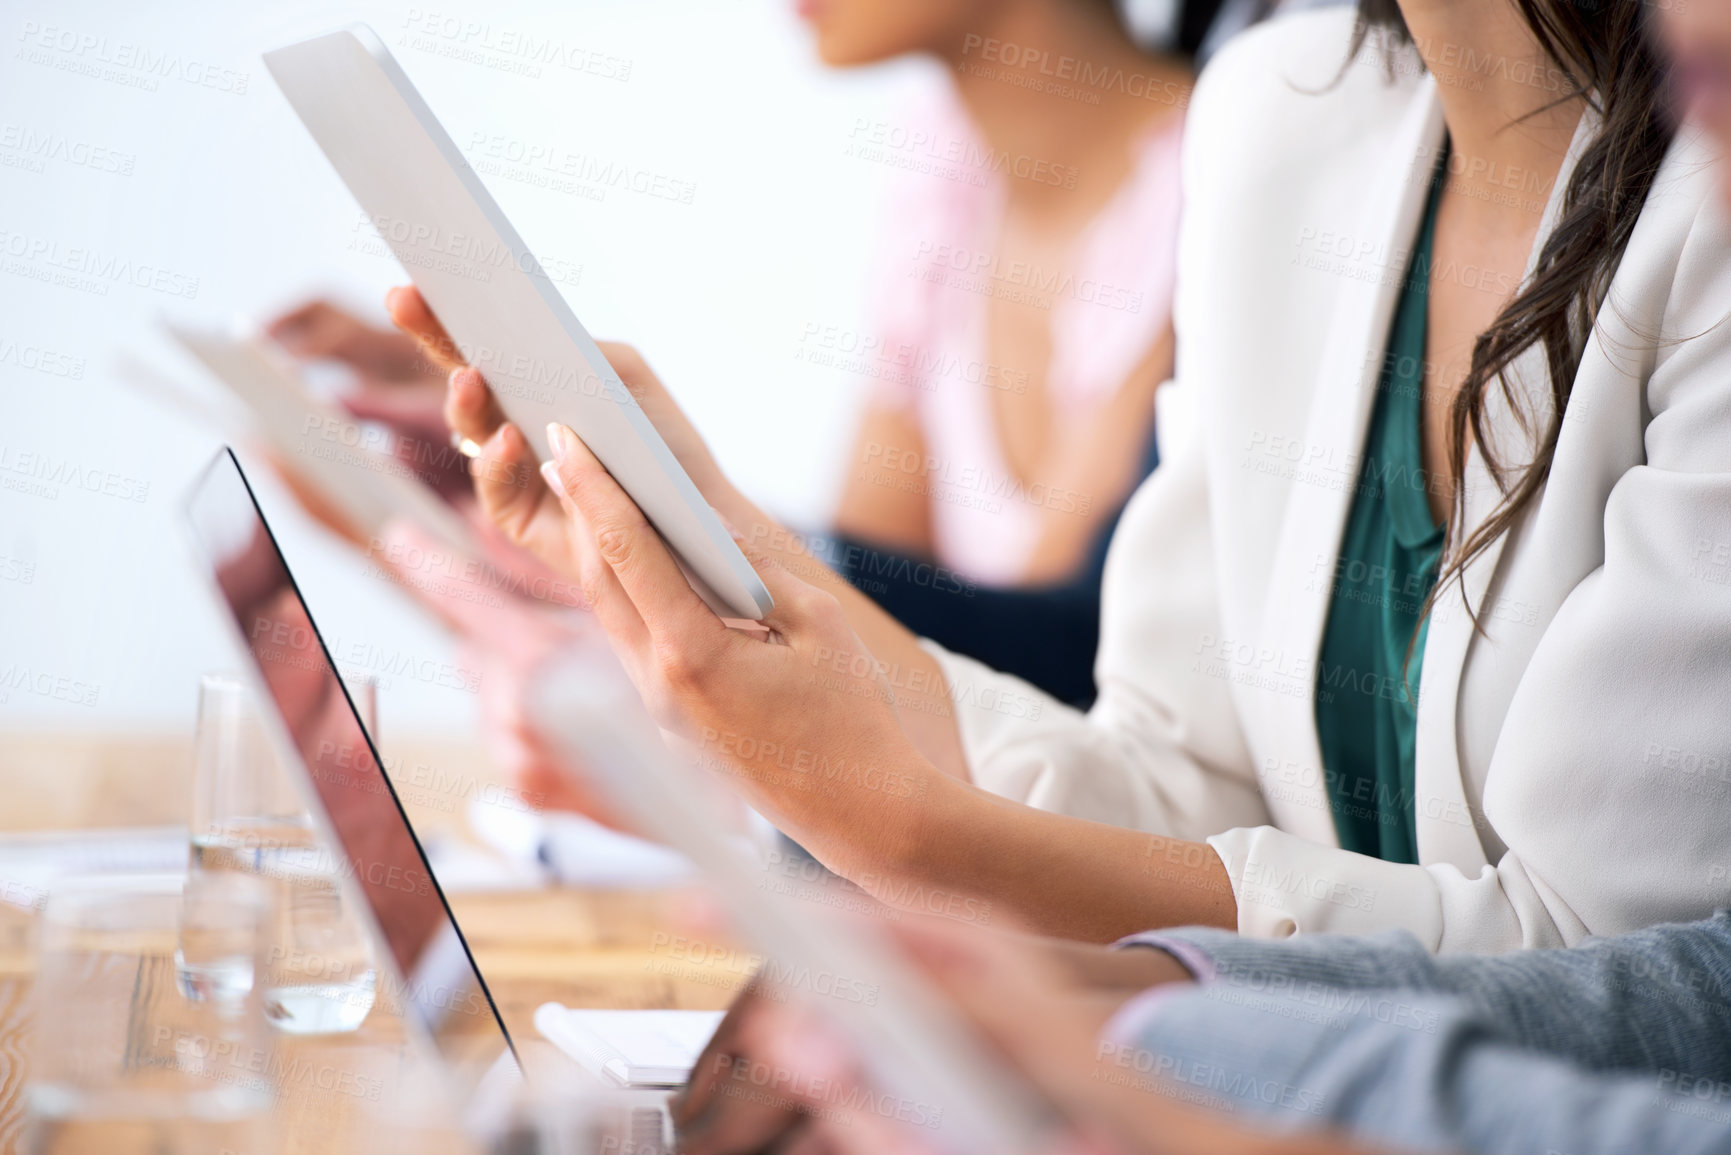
(836, 52)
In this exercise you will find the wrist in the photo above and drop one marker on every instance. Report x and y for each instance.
(904, 839)
(734, 506)
(1142, 967)
(1120, 969)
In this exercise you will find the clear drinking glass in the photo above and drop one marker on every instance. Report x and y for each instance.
(150, 1036)
(248, 818)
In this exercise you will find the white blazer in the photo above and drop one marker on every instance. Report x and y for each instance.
(1574, 761)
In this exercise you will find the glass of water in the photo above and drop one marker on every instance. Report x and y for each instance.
(150, 1036)
(249, 818)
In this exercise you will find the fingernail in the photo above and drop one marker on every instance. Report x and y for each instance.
(556, 436)
(550, 474)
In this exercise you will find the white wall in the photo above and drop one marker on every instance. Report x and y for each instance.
(224, 200)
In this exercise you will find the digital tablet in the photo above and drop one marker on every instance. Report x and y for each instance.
(497, 303)
(326, 449)
(931, 1069)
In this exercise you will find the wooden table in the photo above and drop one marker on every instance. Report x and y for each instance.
(582, 948)
(586, 949)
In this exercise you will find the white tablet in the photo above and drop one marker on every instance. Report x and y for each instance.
(491, 294)
(932, 1070)
(327, 450)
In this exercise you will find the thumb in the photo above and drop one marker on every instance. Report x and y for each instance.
(799, 605)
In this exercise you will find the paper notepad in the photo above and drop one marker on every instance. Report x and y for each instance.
(630, 1048)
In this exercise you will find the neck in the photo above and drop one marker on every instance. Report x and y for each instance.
(1085, 89)
(1501, 95)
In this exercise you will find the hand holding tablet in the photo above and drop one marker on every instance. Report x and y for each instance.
(505, 470)
(500, 312)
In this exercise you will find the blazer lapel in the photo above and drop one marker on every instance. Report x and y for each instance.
(1300, 584)
(1447, 830)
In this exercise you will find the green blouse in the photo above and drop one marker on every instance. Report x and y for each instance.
(1367, 681)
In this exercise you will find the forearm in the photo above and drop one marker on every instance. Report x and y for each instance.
(1119, 972)
(1063, 541)
(922, 694)
(1064, 876)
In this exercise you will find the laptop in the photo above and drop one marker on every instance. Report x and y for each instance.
(929, 1066)
(444, 992)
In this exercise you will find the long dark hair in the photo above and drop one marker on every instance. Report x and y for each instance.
(1603, 53)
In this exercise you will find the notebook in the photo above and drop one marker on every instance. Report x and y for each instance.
(630, 1048)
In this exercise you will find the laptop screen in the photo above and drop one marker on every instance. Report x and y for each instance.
(375, 845)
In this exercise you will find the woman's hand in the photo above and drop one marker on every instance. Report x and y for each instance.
(1023, 994)
(395, 385)
(1026, 995)
(322, 330)
(800, 719)
(507, 484)
(836, 724)
(508, 641)
(513, 497)
(796, 714)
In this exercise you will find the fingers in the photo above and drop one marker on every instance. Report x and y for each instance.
(508, 484)
(839, 1123)
(738, 1122)
(416, 411)
(312, 330)
(410, 312)
(471, 410)
(321, 329)
(730, 1106)
(602, 593)
(715, 1061)
(470, 407)
(800, 607)
(686, 633)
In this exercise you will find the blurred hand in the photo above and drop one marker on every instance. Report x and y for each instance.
(321, 330)
(1026, 996)
(508, 642)
(1022, 993)
(395, 385)
(765, 707)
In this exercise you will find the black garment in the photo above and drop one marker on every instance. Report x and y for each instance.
(1046, 635)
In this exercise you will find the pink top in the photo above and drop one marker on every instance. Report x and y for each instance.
(936, 275)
